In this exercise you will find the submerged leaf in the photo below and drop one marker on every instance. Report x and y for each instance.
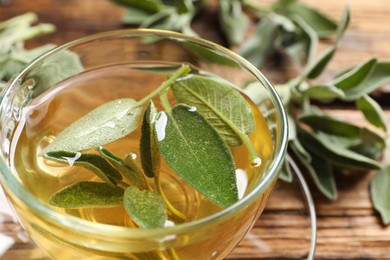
(92, 162)
(87, 194)
(146, 208)
(150, 155)
(134, 177)
(380, 193)
(372, 111)
(222, 106)
(196, 152)
(104, 124)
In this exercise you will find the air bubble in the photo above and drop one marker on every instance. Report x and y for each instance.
(256, 162)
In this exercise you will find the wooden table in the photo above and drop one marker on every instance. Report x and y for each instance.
(348, 228)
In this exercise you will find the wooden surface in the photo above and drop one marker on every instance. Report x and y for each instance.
(348, 228)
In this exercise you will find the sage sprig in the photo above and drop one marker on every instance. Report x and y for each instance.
(294, 29)
(189, 137)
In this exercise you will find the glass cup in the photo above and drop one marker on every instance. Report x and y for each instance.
(112, 65)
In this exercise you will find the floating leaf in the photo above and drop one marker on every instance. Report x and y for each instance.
(150, 155)
(380, 193)
(104, 124)
(196, 152)
(372, 111)
(222, 106)
(321, 172)
(93, 162)
(134, 177)
(146, 208)
(335, 153)
(233, 21)
(87, 195)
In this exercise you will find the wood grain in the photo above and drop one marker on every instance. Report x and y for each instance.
(348, 228)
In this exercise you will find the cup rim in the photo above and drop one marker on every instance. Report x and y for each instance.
(120, 231)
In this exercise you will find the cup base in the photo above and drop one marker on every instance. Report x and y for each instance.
(288, 219)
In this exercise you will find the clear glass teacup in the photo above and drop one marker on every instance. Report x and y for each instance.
(69, 81)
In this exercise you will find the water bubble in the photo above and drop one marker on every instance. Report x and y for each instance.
(192, 109)
(133, 156)
(256, 162)
(161, 124)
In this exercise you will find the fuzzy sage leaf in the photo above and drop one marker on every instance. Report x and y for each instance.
(205, 161)
(102, 125)
(222, 106)
(92, 162)
(380, 193)
(145, 207)
(372, 111)
(150, 155)
(87, 194)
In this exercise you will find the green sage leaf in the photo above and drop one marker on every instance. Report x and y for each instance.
(372, 111)
(135, 178)
(354, 76)
(321, 24)
(87, 195)
(135, 16)
(146, 208)
(146, 5)
(315, 69)
(197, 153)
(286, 173)
(222, 106)
(104, 124)
(93, 162)
(335, 153)
(380, 193)
(150, 155)
(377, 78)
(233, 20)
(324, 93)
(320, 170)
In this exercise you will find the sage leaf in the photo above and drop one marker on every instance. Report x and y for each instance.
(146, 208)
(135, 16)
(370, 144)
(104, 124)
(150, 155)
(233, 21)
(321, 24)
(351, 78)
(380, 195)
(222, 106)
(286, 173)
(335, 153)
(146, 5)
(134, 177)
(54, 69)
(372, 111)
(315, 69)
(87, 194)
(197, 153)
(324, 93)
(92, 162)
(379, 76)
(320, 170)
(330, 125)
